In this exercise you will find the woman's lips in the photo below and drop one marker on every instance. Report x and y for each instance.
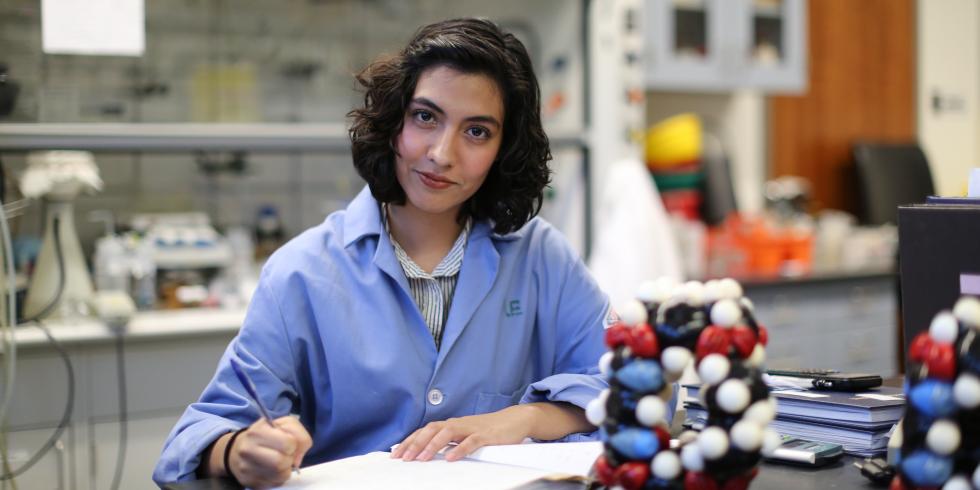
(433, 181)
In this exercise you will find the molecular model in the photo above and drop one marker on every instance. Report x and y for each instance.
(655, 340)
(941, 428)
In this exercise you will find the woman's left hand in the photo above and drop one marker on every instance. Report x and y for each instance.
(508, 426)
(545, 421)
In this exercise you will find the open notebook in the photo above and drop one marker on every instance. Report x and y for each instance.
(488, 468)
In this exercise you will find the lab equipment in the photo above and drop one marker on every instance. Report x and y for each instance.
(269, 232)
(183, 240)
(58, 177)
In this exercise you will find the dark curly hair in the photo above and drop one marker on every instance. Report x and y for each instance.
(512, 193)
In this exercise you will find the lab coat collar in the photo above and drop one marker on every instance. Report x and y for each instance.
(363, 218)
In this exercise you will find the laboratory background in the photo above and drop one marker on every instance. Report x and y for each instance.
(155, 153)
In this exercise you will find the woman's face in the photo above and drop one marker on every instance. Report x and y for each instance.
(450, 138)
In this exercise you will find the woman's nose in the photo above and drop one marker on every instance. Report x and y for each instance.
(441, 149)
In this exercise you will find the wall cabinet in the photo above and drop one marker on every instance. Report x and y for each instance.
(144, 440)
(169, 358)
(54, 469)
(721, 45)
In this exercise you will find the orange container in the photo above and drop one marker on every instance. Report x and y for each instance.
(751, 247)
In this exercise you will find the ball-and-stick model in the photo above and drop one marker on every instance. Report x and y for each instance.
(941, 428)
(658, 336)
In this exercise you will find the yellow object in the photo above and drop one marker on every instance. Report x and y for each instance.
(225, 92)
(674, 141)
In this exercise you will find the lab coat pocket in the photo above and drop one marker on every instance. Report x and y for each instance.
(492, 402)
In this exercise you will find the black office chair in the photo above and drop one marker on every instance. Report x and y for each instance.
(889, 175)
(719, 192)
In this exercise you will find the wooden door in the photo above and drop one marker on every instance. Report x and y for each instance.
(861, 87)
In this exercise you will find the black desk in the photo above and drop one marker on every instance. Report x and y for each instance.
(841, 474)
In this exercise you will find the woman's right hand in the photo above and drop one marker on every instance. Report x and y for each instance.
(264, 456)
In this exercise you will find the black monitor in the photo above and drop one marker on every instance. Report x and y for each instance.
(939, 261)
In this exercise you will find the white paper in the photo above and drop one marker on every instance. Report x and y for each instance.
(378, 471)
(94, 27)
(570, 458)
(973, 188)
(803, 393)
(774, 381)
(876, 396)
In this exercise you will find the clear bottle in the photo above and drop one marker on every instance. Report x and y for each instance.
(143, 270)
(111, 264)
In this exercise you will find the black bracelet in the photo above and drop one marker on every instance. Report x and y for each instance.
(228, 453)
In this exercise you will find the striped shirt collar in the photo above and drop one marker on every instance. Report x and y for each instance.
(450, 264)
(362, 218)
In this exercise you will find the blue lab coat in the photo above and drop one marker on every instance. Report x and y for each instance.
(332, 334)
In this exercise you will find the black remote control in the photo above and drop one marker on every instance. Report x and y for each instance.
(829, 379)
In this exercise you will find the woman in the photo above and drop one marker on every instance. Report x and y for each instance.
(435, 308)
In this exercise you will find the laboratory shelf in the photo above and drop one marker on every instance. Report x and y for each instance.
(176, 137)
(144, 325)
(166, 137)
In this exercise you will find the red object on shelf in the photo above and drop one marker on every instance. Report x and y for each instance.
(683, 202)
(679, 168)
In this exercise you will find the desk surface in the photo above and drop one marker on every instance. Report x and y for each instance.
(840, 474)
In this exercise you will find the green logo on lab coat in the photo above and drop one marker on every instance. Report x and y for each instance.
(513, 308)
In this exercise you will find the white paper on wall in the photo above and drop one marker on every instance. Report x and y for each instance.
(973, 189)
(93, 27)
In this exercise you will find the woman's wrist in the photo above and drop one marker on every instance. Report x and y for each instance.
(211, 464)
(531, 417)
(553, 420)
(226, 458)
(212, 459)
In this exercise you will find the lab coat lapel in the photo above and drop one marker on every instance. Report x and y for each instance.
(385, 259)
(476, 277)
(362, 220)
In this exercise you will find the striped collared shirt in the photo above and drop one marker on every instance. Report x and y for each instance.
(433, 293)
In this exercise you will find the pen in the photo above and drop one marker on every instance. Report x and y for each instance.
(253, 394)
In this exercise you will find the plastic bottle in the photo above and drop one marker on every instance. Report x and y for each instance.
(111, 264)
(143, 269)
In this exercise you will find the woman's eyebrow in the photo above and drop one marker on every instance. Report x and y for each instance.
(485, 119)
(428, 103)
(424, 101)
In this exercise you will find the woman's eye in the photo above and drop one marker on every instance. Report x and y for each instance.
(423, 116)
(479, 132)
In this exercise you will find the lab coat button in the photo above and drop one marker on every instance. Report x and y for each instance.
(435, 397)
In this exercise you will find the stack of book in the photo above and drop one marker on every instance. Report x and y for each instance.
(860, 422)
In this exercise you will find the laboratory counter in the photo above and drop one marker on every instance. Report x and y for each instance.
(158, 324)
(840, 277)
